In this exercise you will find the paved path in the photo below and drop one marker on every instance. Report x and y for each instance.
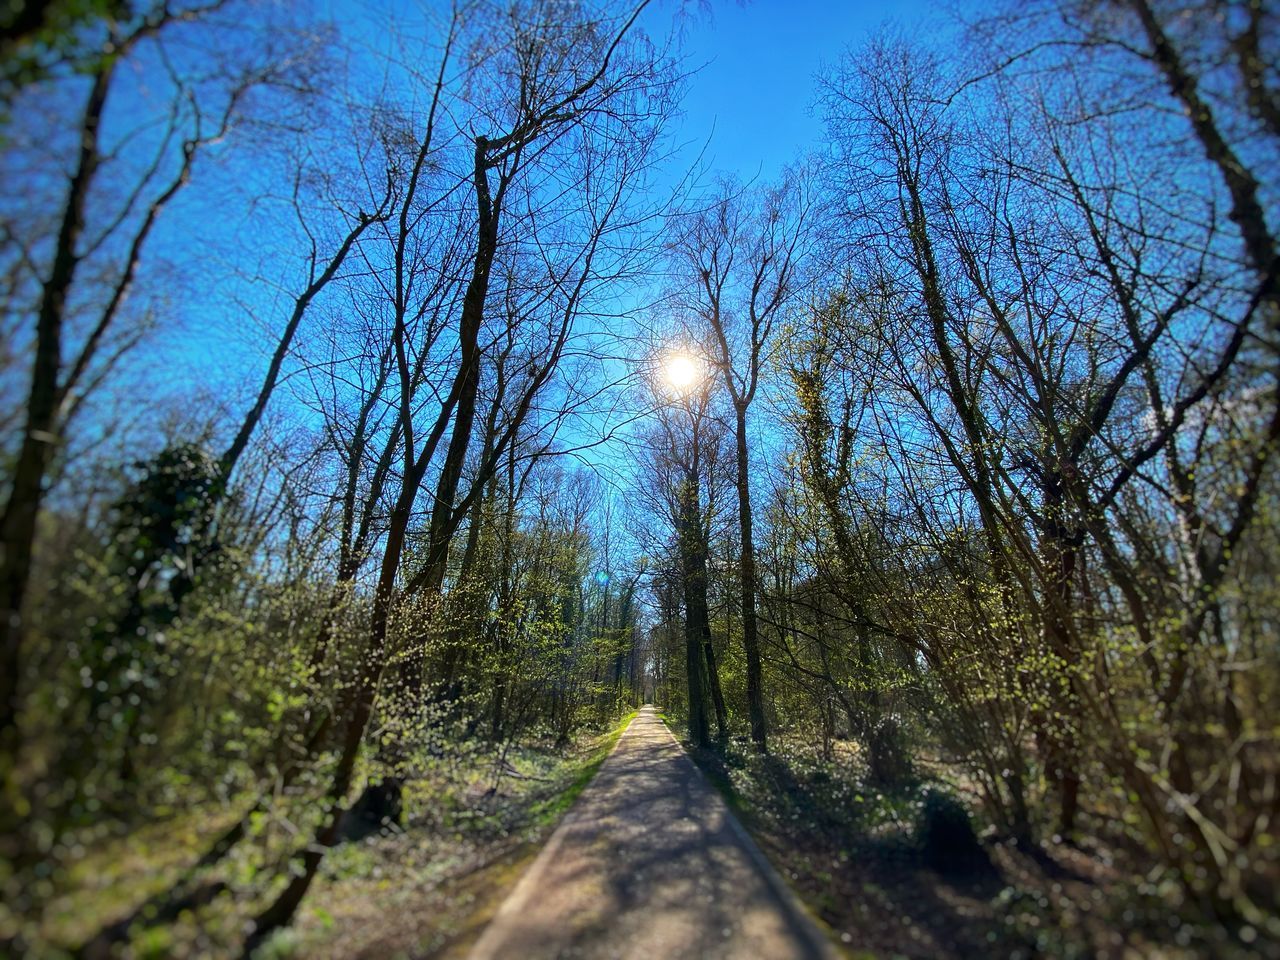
(650, 864)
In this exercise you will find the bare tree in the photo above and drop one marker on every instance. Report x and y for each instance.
(744, 251)
(557, 84)
(58, 385)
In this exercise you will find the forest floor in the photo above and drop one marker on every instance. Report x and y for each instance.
(475, 833)
(851, 853)
(425, 891)
(429, 892)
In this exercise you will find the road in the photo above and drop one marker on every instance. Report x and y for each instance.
(650, 863)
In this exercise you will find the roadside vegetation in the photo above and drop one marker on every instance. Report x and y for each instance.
(908, 871)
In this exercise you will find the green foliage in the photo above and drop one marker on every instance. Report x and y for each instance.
(555, 807)
(41, 37)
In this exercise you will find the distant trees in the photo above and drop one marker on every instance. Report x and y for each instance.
(686, 490)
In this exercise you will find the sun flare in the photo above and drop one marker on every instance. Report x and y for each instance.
(682, 371)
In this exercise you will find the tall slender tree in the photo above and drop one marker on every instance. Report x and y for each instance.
(744, 250)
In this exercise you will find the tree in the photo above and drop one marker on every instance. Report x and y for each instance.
(686, 490)
(1048, 349)
(556, 85)
(743, 252)
(80, 327)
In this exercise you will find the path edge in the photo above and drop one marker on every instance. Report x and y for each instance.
(820, 934)
(487, 944)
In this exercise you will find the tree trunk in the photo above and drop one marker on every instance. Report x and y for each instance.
(1060, 749)
(363, 698)
(695, 606)
(713, 682)
(443, 518)
(40, 433)
(748, 582)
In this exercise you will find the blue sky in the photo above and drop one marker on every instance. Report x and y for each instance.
(754, 95)
(749, 100)
(750, 96)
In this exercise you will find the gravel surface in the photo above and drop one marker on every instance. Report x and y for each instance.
(650, 863)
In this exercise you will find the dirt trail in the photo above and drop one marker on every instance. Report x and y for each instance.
(650, 863)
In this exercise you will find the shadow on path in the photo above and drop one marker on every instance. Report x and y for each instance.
(650, 863)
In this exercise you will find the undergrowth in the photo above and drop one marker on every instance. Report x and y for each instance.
(859, 855)
(473, 820)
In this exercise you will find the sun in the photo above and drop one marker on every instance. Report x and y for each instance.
(682, 371)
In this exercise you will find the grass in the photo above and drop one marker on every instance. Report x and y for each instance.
(430, 892)
(553, 808)
(120, 871)
(426, 891)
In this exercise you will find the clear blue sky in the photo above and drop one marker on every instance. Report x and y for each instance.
(761, 57)
(751, 96)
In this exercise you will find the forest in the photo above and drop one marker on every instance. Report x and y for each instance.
(396, 397)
